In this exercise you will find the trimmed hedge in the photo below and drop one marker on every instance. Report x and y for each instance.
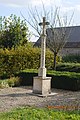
(71, 67)
(12, 61)
(60, 80)
(71, 58)
(65, 80)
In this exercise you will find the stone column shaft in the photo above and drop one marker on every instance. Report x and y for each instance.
(42, 70)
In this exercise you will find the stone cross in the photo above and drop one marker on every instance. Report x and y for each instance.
(42, 69)
(41, 83)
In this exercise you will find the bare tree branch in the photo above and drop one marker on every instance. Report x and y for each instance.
(57, 34)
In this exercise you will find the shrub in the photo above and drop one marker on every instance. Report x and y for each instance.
(71, 67)
(61, 80)
(13, 81)
(65, 80)
(71, 58)
(12, 61)
(3, 84)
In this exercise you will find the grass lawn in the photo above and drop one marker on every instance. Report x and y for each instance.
(30, 113)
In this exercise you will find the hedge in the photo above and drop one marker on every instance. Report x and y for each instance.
(71, 58)
(60, 80)
(65, 80)
(71, 67)
(12, 61)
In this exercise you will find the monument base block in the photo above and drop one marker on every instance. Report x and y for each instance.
(42, 85)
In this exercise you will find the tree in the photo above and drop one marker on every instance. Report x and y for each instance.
(13, 32)
(57, 34)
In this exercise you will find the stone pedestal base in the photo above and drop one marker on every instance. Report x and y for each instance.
(42, 85)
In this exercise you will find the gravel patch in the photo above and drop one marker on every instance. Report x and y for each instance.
(22, 96)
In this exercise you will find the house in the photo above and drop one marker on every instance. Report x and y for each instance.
(72, 46)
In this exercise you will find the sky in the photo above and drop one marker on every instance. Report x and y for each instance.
(67, 7)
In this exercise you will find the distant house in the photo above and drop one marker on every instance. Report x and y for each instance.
(73, 44)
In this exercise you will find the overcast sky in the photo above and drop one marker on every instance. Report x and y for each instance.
(8, 7)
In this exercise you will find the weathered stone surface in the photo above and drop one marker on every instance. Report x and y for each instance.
(42, 85)
(42, 72)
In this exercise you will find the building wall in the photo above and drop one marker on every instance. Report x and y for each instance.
(67, 51)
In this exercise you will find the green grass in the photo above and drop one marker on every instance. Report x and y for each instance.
(29, 113)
